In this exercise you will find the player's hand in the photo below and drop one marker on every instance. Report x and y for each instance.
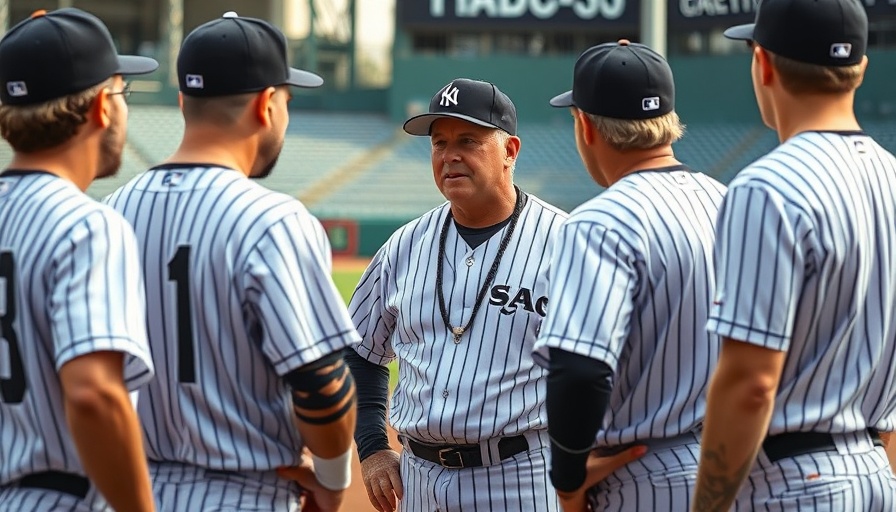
(316, 498)
(597, 468)
(382, 479)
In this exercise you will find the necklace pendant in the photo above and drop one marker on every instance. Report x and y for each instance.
(458, 332)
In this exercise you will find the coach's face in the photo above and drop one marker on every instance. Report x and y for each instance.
(469, 161)
(113, 139)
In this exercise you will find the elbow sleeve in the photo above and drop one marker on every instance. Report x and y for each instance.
(578, 390)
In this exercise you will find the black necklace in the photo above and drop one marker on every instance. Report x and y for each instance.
(459, 331)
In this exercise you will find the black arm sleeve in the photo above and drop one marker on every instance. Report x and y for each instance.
(372, 384)
(578, 390)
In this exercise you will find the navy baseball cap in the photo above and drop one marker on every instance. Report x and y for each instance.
(822, 32)
(234, 55)
(474, 101)
(621, 80)
(57, 53)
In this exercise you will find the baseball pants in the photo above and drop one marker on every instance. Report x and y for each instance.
(52, 491)
(663, 479)
(17, 499)
(185, 488)
(857, 476)
(517, 484)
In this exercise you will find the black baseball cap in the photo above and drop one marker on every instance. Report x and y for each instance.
(622, 80)
(822, 32)
(234, 55)
(57, 53)
(475, 101)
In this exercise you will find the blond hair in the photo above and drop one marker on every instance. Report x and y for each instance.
(627, 134)
(30, 128)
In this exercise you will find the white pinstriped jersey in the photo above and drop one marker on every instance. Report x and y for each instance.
(807, 264)
(631, 283)
(239, 293)
(70, 285)
(487, 385)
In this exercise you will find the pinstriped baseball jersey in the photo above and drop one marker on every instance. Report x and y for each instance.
(239, 293)
(631, 283)
(70, 285)
(807, 264)
(486, 385)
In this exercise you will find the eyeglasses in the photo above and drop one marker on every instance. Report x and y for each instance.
(125, 92)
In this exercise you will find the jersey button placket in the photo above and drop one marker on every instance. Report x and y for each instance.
(469, 260)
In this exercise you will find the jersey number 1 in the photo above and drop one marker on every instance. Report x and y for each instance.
(179, 272)
(12, 385)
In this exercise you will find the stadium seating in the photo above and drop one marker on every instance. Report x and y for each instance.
(397, 186)
(322, 146)
(883, 132)
(721, 149)
(549, 166)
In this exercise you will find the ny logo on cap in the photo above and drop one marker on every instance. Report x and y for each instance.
(16, 89)
(449, 96)
(652, 103)
(841, 50)
(195, 82)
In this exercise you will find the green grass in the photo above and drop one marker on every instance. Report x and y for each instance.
(346, 280)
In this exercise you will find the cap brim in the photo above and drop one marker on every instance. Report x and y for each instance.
(135, 65)
(741, 32)
(421, 124)
(562, 100)
(300, 78)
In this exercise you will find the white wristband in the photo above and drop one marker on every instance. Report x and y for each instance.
(334, 474)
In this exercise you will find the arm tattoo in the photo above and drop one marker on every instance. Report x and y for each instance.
(720, 487)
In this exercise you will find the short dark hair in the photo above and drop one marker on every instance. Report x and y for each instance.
(222, 110)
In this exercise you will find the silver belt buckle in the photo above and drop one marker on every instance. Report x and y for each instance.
(449, 452)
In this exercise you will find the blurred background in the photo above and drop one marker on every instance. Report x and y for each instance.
(345, 155)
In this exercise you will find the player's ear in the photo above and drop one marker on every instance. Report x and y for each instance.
(763, 62)
(101, 109)
(264, 106)
(180, 100)
(586, 128)
(512, 148)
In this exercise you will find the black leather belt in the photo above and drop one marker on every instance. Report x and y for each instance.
(458, 456)
(791, 444)
(68, 483)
